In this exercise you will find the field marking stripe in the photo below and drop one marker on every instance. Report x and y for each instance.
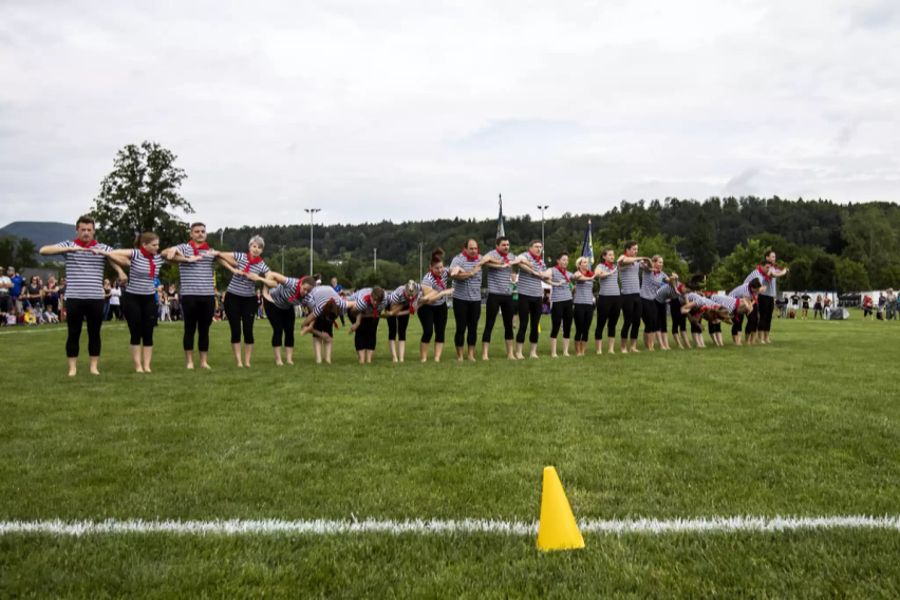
(440, 526)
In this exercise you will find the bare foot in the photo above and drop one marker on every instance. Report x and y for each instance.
(147, 370)
(138, 369)
(636, 351)
(278, 363)
(519, 357)
(532, 355)
(205, 366)
(95, 372)
(290, 361)
(72, 372)
(485, 357)
(190, 366)
(240, 366)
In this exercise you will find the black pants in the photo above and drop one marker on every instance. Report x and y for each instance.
(696, 327)
(649, 315)
(752, 319)
(584, 314)
(198, 316)
(715, 328)
(766, 309)
(366, 334)
(679, 321)
(282, 322)
(631, 315)
(529, 308)
(140, 313)
(661, 310)
(434, 321)
(736, 324)
(241, 311)
(562, 313)
(325, 324)
(397, 327)
(467, 313)
(502, 303)
(608, 308)
(78, 311)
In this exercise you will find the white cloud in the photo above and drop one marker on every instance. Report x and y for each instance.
(403, 110)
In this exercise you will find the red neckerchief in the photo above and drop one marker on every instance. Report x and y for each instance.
(466, 256)
(680, 288)
(297, 291)
(149, 258)
(764, 273)
(438, 279)
(252, 261)
(656, 271)
(410, 301)
(504, 256)
(587, 274)
(89, 244)
(196, 247)
(537, 259)
(368, 300)
(564, 274)
(609, 265)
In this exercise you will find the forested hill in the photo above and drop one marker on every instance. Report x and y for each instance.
(829, 245)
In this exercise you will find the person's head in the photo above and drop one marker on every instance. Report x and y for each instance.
(51, 280)
(333, 281)
(116, 284)
(84, 228)
(695, 283)
(769, 257)
(754, 285)
(471, 248)
(437, 260)
(536, 247)
(502, 244)
(11, 271)
(377, 295)
(306, 284)
(198, 232)
(256, 246)
(608, 254)
(563, 260)
(583, 264)
(149, 241)
(411, 289)
(631, 248)
(171, 288)
(656, 262)
(106, 282)
(35, 280)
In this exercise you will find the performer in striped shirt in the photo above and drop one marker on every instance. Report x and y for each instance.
(695, 305)
(401, 303)
(433, 310)
(499, 299)
(325, 305)
(749, 291)
(198, 293)
(669, 297)
(465, 271)
(630, 265)
(583, 302)
(532, 272)
(240, 295)
(367, 305)
(85, 262)
(280, 301)
(771, 272)
(653, 314)
(139, 302)
(609, 301)
(563, 310)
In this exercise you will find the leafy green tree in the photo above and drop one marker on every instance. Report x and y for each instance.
(26, 253)
(142, 194)
(851, 276)
(8, 251)
(735, 267)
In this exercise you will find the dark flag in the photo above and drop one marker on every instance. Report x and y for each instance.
(587, 248)
(501, 231)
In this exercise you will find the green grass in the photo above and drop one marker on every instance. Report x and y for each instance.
(808, 426)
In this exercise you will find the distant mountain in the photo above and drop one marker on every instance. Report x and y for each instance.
(40, 232)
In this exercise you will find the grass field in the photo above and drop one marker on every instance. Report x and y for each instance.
(809, 426)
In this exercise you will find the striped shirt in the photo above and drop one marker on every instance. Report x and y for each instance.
(139, 280)
(584, 291)
(563, 292)
(362, 302)
(438, 285)
(284, 295)
(741, 291)
(770, 283)
(499, 281)
(699, 300)
(321, 296)
(666, 292)
(530, 285)
(469, 289)
(196, 278)
(629, 278)
(729, 302)
(84, 272)
(609, 286)
(398, 297)
(650, 284)
(241, 286)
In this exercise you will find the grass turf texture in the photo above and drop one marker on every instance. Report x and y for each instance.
(808, 426)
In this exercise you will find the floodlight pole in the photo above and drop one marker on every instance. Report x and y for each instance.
(311, 212)
(542, 208)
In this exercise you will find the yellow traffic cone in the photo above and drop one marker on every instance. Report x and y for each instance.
(557, 529)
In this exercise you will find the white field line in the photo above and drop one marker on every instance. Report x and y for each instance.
(438, 526)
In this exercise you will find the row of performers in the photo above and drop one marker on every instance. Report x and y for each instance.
(631, 286)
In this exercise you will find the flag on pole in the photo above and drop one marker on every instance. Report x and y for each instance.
(501, 231)
(587, 248)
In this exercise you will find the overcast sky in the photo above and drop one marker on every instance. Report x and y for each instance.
(412, 110)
